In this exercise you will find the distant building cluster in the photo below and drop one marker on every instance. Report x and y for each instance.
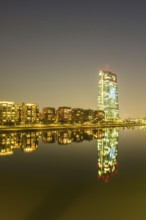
(28, 113)
(68, 115)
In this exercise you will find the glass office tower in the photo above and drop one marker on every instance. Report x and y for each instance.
(108, 95)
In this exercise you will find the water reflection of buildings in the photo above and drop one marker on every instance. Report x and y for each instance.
(7, 143)
(49, 137)
(64, 137)
(27, 141)
(78, 136)
(107, 154)
(107, 144)
(68, 136)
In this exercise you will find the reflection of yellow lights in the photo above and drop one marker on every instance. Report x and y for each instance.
(65, 141)
(89, 132)
(29, 149)
(6, 152)
(107, 154)
(15, 146)
(30, 104)
(6, 102)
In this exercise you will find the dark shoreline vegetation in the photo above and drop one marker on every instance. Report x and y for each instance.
(66, 126)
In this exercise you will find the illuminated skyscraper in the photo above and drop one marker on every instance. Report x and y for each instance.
(108, 95)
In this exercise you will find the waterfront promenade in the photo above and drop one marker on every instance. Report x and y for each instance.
(66, 126)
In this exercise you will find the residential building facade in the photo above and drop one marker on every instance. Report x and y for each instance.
(64, 115)
(48, 115)
(77, 115)
(30, 113)
(9, 113)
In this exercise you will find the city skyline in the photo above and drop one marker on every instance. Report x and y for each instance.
(51, 52)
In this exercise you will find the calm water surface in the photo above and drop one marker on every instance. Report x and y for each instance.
(73, 175)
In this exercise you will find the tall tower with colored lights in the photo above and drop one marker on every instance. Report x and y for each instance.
(108, 94)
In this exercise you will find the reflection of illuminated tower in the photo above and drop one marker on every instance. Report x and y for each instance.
(108, 94)
(107, 154)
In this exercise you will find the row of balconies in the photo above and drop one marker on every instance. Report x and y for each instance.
(70, 115)
(29, 114)
(12, 114)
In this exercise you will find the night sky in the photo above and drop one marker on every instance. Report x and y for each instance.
(51, 52)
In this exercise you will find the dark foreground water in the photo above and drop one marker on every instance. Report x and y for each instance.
(73, 175)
